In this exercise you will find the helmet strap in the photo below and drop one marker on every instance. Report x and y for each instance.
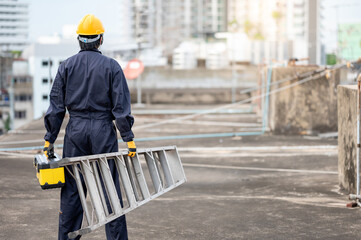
(89, 40)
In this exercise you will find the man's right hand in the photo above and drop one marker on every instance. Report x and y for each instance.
(49, 150)
(131, 148)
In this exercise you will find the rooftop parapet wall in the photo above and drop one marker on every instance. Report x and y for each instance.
(347, 136)
(308, 107)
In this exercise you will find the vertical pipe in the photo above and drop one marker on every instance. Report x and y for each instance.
(234, 73)
(139, 90)
(358, 137)
(12, 103)
(266, 105)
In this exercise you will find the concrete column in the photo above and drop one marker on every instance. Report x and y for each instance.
(347, 136)
(306, 108)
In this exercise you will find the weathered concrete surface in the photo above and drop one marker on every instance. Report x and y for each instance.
(189, 96)
(347, 136)
(238, 188)
(203, 86)
(309, 107)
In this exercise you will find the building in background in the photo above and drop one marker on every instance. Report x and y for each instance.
(304, 29)
(14, 18)
(206, 17)
(22, 92)
(349, 41)
(278, 29)
(165, 24)
(43, 62)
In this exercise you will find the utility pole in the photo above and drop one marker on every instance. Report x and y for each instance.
(12, 108)
(139, 11)
(50, 79)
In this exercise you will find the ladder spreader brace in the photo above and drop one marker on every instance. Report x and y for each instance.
(138, 185)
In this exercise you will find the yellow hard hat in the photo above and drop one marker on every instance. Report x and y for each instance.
(90, 25)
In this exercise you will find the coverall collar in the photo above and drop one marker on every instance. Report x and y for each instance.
(93, 50)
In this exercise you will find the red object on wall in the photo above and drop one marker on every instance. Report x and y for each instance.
(133, 69)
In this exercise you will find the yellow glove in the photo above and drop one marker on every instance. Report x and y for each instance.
(49, 150)
(131, 148)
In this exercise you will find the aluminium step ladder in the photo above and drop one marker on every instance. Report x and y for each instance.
(160, 172)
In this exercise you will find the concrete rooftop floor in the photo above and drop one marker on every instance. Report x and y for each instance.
(254, 187)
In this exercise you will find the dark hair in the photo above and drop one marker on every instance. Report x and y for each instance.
(92, 45)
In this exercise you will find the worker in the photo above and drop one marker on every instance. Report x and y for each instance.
(93, 89)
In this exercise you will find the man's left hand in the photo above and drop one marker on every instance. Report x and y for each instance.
(49, 150)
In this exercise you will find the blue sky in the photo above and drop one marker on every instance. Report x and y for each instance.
(48, 17)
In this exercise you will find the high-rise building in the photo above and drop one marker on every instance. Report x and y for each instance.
(207, 17)
(13, 25)
(281, 21)
(304, 29)
(165, 24)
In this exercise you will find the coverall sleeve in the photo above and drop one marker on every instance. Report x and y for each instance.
(56, 111)
(121, 108)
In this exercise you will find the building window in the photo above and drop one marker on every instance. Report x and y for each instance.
(45, 63)
(20, 114)
(45, 80)
(45, 97)
(23, 97)
(22, 80)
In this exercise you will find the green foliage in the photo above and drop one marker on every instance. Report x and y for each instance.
(276, 15)
(248, 26)
(331, 59)
(7, 123)
(16, 53)
(258, 36)
(233, 25)
(252, 31)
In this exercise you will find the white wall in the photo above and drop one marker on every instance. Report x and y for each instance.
(36, 54)
(41, 89)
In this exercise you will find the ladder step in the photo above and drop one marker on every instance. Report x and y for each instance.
(153, 171)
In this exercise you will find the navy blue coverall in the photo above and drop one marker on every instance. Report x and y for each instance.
(94, 90)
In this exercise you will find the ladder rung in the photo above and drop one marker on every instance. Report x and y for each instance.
(140, 177)
(124, 177)
(109, 183)
(93, 190)
(153, 171)
(166, 168)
